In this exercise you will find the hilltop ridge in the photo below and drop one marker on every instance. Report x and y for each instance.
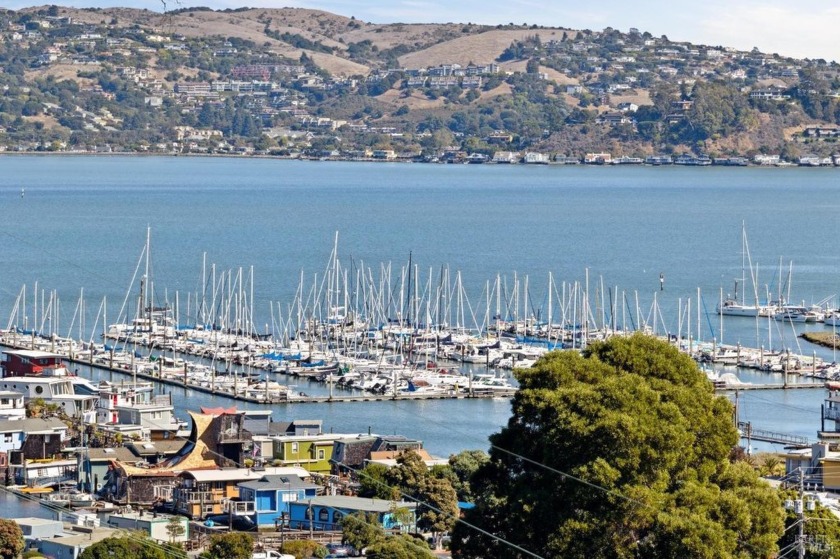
(297, 81)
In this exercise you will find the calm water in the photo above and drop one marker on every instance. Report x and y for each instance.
(81, 224)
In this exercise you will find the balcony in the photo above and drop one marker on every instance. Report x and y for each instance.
(205, 497)
(240, 508)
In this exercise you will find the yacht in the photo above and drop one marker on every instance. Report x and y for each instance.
(790, 313)
(733, 307)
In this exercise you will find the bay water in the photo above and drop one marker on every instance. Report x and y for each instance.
(77, 225)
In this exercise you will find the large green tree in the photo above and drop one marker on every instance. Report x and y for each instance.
(437, 502)
(361, 530)
(621, 452)
(11, 539)
(127, 547)
(233, 545)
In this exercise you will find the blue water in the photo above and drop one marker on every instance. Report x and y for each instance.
(81, 224)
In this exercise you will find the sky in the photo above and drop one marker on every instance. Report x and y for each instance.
(802, 29)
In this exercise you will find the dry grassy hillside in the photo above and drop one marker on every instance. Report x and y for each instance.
(482, 48)
(434, 43)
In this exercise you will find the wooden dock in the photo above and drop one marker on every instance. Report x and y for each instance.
(301, 399)
(296, 399)
(788, 386)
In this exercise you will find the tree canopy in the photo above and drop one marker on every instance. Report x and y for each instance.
(233, 545)
(126, 547)
(621, 452)
(11, 539)
(410, 479)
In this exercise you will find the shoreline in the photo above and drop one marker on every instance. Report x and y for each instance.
(395, 160)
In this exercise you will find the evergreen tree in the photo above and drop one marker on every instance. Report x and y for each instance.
(621, 452)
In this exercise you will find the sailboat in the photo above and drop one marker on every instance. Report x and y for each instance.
(733, 306)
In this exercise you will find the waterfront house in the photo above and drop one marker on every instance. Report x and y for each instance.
(44, 436)
(11, 405)
(354, 452)
(312, 452)
(47, 472)
(35, 437)
(326, 512)
(597, 158)
(536, 158)
(505, 157)
(36, 528)
(94, 463)
(269, 498)
(257, 422)
(152, 524)
(53, 538)
(205, 492)
(25, 362)
(55, 390)
(214, 442)
(136, 404)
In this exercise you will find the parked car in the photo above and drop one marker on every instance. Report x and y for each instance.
(341, 550)
(270, 554)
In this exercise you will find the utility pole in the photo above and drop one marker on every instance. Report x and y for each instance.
(800, 505)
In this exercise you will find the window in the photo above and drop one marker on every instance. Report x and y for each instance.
(4, 401)
(294, 447)
(321, 454)
(323, 515)
(39, 389)
(337, 516)
(7, 438)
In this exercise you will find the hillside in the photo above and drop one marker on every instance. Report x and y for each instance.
(295, 81)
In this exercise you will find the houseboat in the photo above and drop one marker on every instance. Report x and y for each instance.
(26, 363)
(53, 390)
(35, 363)
(136, 404)
(11, 405)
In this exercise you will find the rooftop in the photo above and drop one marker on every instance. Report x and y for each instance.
(357, 503)
(290, 482)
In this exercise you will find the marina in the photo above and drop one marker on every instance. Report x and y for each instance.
(513, 224)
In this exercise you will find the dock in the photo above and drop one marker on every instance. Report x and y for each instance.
(749, 432)
(788, 386)
(293, 399)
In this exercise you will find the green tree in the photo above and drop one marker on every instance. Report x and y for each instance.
(361, 530)
(437, 502)
(11, 539)
(372, 482)
(126, 547)
(175, 528)
(621, 452)
(399, 547)
(463, 466)
(233, 545)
